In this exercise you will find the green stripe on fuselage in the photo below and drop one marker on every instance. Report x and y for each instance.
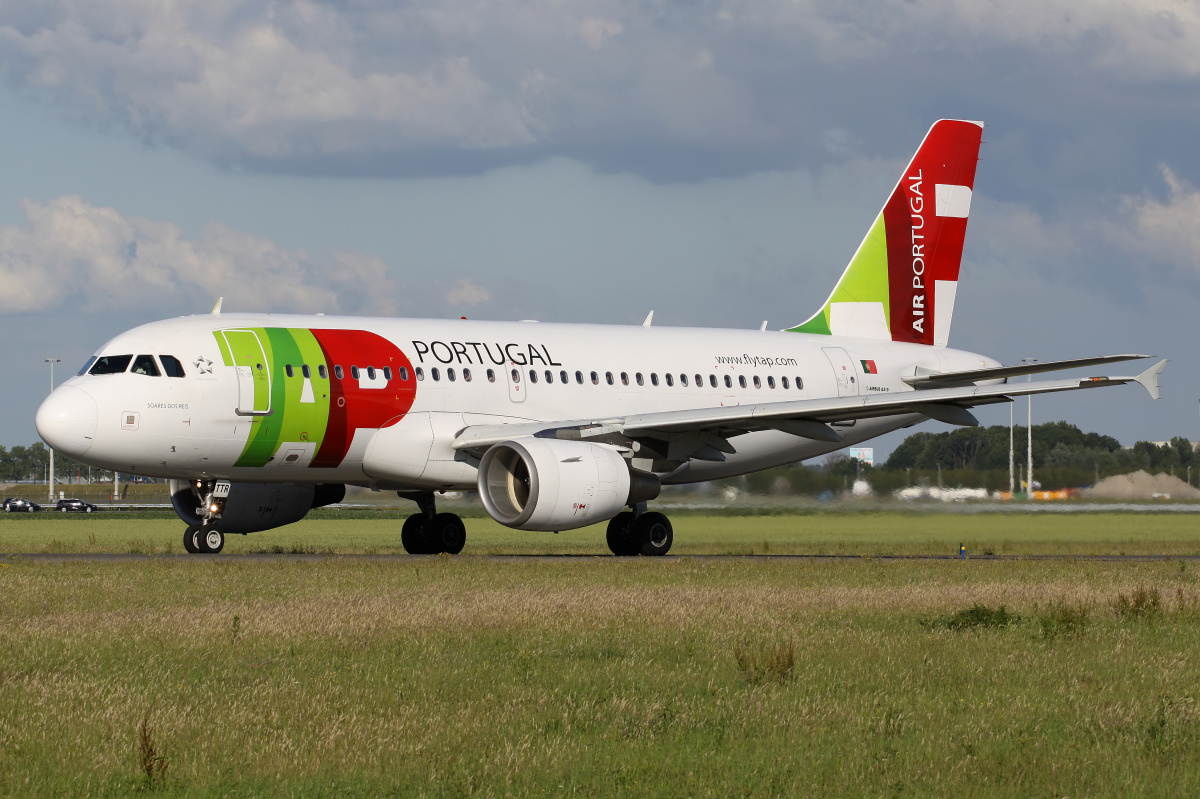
(296, 416)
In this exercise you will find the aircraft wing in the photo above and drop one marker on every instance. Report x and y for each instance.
(711, 427)
(927, 378)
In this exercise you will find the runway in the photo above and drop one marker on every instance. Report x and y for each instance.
(115, 557)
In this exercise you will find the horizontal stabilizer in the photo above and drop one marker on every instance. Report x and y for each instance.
(946, 379)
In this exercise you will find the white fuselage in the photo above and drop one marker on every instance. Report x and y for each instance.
(207, 424)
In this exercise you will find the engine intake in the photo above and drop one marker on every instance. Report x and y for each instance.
(551, 484)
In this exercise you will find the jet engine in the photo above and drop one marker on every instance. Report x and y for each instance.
(254, 507)
(551, 484)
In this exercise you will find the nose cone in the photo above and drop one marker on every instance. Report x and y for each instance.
(67, 420)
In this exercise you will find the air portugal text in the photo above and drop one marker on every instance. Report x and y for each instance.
(475, 352)
(916, 202)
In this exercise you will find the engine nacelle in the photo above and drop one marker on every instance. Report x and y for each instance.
(551, 484)
(254, 507)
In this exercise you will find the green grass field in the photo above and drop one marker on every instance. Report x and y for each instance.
(816, 532)
(441, 677)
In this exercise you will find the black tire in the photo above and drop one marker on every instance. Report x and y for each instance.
(191, 539)
(653, 534)
(211, 540)
(412, 535)
(446, 533)
(620, 535)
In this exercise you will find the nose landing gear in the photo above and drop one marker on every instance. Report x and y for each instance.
(430, 532)
(206, 538)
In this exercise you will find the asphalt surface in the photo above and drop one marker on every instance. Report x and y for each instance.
(305, 558)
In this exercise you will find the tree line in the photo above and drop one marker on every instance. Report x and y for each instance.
(1063, 457)
(30, 463)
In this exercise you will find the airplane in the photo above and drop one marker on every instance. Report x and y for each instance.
(255, 419)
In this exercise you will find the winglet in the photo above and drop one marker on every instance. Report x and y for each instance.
(216, 311)
(1149, 378)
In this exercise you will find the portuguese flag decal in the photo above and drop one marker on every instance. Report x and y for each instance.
(869, 367)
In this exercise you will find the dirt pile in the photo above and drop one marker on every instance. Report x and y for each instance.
(1140, 485)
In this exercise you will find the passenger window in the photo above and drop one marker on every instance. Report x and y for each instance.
(579, 378)
(532, 375)
(550, 377)
(784, 381)
(111, 365)
(638, 377)
(145, 365)
(654, 378)
(742, 381)
(595, 379)
(608, 376)
(338, 373)
(624, 378)
(420, 373)
(370, 372)
(683, 380)
(728, 381)
(757, 382)
(799, 384)
(563, 375)
(712, 380)
(354, 372)
(699, 381)
(467, 375)
(404, 373)
(287, 370)
(450, 375)
(491, 376)
(322, 372)
(304, 370)
(770, 381)
(435, 374)
(87, 366)
(516, 376)
(387, 373)
(670, 380)
(171, 366)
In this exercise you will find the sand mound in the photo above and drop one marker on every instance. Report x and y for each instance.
(1141, 485)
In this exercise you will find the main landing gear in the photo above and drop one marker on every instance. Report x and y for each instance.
(639, 532)
(430, 532)
(203, 540)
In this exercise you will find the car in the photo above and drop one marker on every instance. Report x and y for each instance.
(18, 505)
(74, 506)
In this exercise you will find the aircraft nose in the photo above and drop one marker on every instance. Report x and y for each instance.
(67, 420)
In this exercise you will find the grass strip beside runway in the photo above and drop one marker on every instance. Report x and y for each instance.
(842, 533)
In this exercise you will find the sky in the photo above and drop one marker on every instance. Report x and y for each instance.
(717, 162)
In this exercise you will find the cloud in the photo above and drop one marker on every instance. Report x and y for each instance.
(467, 292)
(1164, 231)
(463, 84)
(73, 254)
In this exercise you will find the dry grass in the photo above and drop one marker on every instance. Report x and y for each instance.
(467, 677)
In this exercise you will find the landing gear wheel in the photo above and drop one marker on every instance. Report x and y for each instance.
(653, 534)
(191, 539)
(211, 540)
(620, 535)
(446, 533)
(412, 535)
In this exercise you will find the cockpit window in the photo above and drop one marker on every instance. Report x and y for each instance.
(87, 366)
(145, 365)
(111, 365)
(171, 366)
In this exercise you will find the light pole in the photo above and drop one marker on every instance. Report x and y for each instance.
(1029, 430)
(50, 476)
(1011, 458)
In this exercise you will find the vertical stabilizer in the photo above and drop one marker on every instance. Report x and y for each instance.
(901, 283)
